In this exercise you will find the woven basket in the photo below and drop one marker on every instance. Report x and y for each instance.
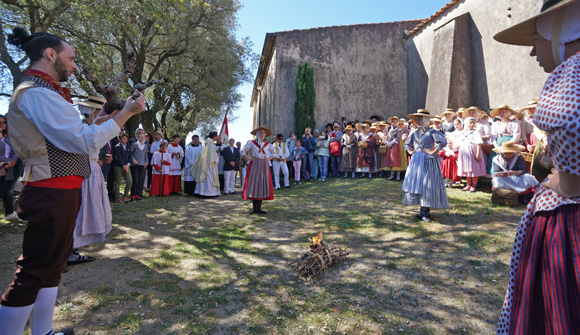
(362, 144)
(527, 156)
(383, 149)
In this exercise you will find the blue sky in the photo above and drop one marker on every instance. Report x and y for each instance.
(258, 17)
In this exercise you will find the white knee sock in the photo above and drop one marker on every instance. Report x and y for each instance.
(41, 315)
(13, 319)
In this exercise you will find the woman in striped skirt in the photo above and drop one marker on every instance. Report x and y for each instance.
(423, 184)
(543, 295)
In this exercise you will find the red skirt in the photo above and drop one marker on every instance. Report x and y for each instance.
(258, 182)
(175, 184)
(546, 296)
(449, 168)
(156, 185)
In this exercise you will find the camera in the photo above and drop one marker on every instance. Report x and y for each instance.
(5, 163)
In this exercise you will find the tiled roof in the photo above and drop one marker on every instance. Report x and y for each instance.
(432, 17)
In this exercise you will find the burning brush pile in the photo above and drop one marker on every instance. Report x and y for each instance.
(319, 258)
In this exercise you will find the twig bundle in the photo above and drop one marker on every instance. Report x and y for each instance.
(319, 258)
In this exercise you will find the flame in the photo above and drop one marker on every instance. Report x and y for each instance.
(317, 240)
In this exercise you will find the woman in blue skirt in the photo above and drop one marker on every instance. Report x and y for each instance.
(424, 184)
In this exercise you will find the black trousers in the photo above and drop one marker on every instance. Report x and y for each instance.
(48, 240)
(222, 181)
(138, 173)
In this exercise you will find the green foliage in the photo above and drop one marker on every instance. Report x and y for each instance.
(305, 99)
(192, 44)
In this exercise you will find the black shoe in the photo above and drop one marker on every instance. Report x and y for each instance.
(261, 212)
(234, 192)
(80, 260)
(68, 331)
(418, 216)
(286, 186)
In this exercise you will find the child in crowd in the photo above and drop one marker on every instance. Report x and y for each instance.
(298, 153)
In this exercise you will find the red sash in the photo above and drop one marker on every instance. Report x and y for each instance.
(261, 149)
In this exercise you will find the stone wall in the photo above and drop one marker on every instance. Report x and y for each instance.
(359, 71)
(453, 61)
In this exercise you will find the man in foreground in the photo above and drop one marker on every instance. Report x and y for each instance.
(54, 145)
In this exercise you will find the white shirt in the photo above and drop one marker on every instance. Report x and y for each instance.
(59, 122)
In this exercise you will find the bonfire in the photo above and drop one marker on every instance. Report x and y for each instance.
(319, 258)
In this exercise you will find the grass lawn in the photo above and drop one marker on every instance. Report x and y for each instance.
(182, 265)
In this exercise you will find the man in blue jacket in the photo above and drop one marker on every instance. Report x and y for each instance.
(122, 165)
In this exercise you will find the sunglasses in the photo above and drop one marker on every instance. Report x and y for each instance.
(3, 122)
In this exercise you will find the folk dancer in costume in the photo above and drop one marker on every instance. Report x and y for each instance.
(205, 169)
(448, 118)
(349, 152)
(231, 157)
(544, 290)
(94, 219)
(396, 156)
(423, 184)
(436, 124)
(279, 162)
(509, 170)
(540, 166)
(471, 159)
(527, 125)
(366, 152)
(450, 154)
(161, 180)
(258, 182)
(381, 136)
(55, 151)
(176, 154)
(192, 151)
(507, 129)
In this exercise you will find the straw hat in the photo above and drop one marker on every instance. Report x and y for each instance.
(383, 123)
(495, 112)
(449, 111)
(421, 112)
(531, 104)
(509, 146)
(93, 102)
(465, 111)
(436, 119)
(348, 127)
(255, 131)
(460, 112)
(390, 120)
(373, 128)
(521, 33)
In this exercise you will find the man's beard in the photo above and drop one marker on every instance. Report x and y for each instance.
(60, 69)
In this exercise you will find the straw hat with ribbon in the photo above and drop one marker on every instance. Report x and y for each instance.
(557, 22)
(495, 112)
(421, 112)
(509, 146)
(255, 131)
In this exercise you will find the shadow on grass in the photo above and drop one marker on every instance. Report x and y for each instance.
(181, 265)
